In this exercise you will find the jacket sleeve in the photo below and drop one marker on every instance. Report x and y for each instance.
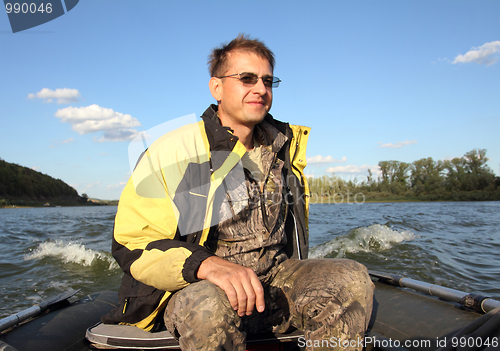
(147, 244)
(151, 241)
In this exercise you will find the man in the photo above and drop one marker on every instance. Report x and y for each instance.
(211, 230)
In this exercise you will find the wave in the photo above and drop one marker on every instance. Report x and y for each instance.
(72, 253)
(373, 238)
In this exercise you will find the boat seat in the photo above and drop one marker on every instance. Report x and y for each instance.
(112, 336)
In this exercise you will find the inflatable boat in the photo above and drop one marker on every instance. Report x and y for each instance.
(407, 315)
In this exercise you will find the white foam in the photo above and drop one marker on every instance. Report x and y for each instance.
(364, 239)
(71, 253)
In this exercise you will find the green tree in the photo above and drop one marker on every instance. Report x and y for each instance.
(395, 176)
(479, 174)
(17, 181)
(455, 174)
(426, 176)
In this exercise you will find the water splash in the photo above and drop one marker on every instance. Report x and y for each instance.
(373, 238)
(71, 253)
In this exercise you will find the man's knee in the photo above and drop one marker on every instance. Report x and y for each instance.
(349, 274)
(351, 271)
(325, 271)
(199, 303)
(201, 316)
(336, 282)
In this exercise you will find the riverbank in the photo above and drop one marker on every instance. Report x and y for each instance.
(380, 197)
(53, 202)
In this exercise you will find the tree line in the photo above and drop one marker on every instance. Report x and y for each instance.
(461, 178)
(24, 186)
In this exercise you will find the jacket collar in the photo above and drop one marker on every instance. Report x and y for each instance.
(221, 137)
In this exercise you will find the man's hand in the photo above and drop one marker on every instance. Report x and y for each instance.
(241, 285)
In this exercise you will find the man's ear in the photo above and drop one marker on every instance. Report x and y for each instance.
(215, 85)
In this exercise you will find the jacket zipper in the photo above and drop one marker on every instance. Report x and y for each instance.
(296, 236)
(291, 211)
(125, 305)
(263, 196)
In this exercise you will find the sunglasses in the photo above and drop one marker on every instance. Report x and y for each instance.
(251, 79)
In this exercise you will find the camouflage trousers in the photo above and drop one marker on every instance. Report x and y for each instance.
(330, 300)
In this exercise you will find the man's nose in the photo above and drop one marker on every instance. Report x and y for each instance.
(259, 87)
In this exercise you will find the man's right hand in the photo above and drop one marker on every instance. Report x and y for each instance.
(241, 285)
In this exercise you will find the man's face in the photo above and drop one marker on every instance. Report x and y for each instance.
(242, 104)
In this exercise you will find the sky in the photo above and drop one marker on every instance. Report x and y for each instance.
(375, 80)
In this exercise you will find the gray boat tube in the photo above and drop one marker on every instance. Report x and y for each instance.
(35, 310)
(476, 302)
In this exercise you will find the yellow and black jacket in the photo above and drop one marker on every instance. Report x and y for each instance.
(166, 211)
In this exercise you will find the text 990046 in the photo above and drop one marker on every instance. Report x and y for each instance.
(28, 7)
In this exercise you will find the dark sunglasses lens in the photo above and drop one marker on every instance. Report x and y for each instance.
(249, 78)
(252, 79)
(268, 81)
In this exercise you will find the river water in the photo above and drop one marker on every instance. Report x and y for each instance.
(46, 251)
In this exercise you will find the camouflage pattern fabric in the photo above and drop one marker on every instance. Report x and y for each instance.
(329, 299)
(254, 237)
(201, 317)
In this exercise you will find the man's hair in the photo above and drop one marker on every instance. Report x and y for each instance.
(218, 59)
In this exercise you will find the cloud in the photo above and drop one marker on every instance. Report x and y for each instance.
(353, 169)
(399, 144)
(118, 135)
(56, 143)
(320, 159)
(439, 60)
(116, 126)
(88, 187)
(62, 96)
(483, 55)
(120, 185)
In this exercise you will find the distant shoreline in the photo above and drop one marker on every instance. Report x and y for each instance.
(351, 196)
(76, 205)
(350, 202)
(54, 202)
(381, 201)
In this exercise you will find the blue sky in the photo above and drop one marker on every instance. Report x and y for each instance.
(376, 80)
